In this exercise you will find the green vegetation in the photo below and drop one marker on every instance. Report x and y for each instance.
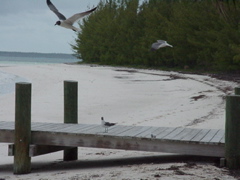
(205, 34)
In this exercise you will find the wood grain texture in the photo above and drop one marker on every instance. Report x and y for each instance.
(188, 141)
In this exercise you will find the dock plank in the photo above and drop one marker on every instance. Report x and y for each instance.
(143, 130)
(209, 136)
(72, 128)
(173, 133)
(147, 133)
(200, 135)
(222, 140)
(183, 134)
(164, 132)
(191, 135)
(118, 130)
(131, 131)
(44, 126)
(218, 136)
(84, 129)
(207, 142)
(159, 130)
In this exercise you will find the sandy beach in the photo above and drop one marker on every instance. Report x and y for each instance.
(125, 96)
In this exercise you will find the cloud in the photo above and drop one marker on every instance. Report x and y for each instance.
(28, 25)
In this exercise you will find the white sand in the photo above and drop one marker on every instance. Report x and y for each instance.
(125, 96)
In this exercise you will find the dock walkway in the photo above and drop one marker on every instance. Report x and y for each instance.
(187, 141)
(28, 139)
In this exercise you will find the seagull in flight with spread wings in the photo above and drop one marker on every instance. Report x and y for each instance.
(68, 23)
(159, 44)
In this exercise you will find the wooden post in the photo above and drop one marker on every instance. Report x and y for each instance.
(71, 113)
(232, 132)
(237, 91)
(22, 161)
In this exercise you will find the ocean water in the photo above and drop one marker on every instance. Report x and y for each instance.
(34, 60)
(8, 81)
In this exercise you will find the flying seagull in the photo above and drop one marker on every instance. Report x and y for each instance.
(106, 125)
(68, 23)
(159, 44)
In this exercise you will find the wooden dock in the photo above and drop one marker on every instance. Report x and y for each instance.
(187, 141)
(28, 139)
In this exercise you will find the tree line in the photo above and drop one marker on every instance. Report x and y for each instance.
(205, 34)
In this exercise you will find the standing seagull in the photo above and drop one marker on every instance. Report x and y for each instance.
(68, 23)
(106, 125)
(159, 44)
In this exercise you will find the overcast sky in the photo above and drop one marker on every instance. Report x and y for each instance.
(28, 25)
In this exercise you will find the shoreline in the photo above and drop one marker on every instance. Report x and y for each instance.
(121, 77)
(122, 95)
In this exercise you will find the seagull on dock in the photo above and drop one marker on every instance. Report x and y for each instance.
(159, 44)
(68, 23)
(106, 125)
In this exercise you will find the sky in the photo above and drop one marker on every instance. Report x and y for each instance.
(28, 25)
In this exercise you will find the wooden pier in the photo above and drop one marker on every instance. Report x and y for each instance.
(187, 141)
(28, 139)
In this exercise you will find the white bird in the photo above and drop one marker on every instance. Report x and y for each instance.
(159, 44)
(106, 125)
(68, 23)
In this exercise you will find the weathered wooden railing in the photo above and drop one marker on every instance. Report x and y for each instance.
(22, 140)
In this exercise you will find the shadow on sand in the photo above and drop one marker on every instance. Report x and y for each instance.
(113, 162)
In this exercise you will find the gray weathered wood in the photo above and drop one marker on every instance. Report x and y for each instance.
(237, 91)
(22, 161)
(118, 129)
(217, 138)
(136, 131)
(232, 132)
(143, 131)
(223, 139)
(207, 138)
(134, 143)
(11, 150)
(191, 135)
(7, 136)
(159, 131)
(36, 150)
(183, 141)
(147, 133)
(165, 132)
(182, 134)
(72, 128)
(200, 135)
(173, 133)
(132, 131)
(71, 114)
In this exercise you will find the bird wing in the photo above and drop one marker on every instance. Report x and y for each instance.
(161, 41)
(55, 10)
(155, 46)
(77, 16)
(109, 124)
